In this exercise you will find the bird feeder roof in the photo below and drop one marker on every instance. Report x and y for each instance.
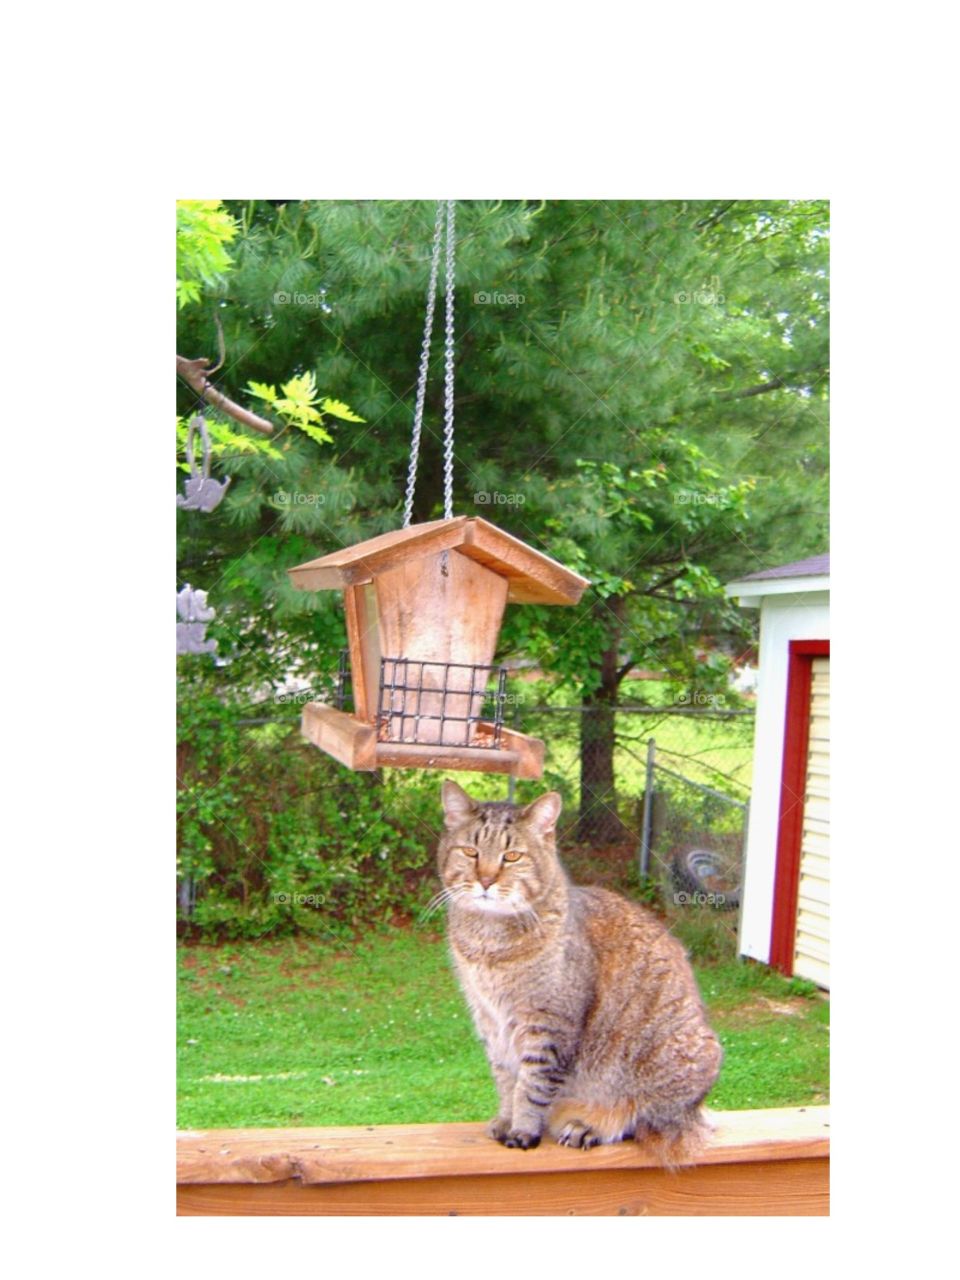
(532, 577)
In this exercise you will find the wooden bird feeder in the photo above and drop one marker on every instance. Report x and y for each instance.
(423, 607)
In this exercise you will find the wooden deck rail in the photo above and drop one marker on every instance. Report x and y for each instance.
(757, 1162)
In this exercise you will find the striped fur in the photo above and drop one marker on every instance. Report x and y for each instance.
(586, 1004)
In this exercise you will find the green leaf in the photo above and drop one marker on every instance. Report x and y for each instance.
(262, 391)
(339, 410)
(314, 432)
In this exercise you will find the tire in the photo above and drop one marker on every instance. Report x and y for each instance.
(698, 873)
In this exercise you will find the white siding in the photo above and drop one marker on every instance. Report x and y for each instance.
(811, 957)
(803, 616)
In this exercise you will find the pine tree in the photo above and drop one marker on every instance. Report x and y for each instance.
(642, 385)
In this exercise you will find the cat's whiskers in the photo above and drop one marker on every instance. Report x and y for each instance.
(437, 899)
(446, 894)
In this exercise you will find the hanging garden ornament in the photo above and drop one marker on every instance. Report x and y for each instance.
(194, 614)
(424, 606)
(201, 491)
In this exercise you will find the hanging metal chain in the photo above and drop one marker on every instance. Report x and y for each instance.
(448, 372)
(424, 364)
(443, 207)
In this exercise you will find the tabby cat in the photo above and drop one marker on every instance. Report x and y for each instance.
(586, 1004)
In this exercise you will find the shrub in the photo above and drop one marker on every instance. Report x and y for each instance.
(276, 837)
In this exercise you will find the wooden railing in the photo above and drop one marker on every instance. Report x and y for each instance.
(756, 1162)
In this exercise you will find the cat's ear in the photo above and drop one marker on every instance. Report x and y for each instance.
(457, 805)
(542, 814)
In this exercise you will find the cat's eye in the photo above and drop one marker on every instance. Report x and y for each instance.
(513, 856)
(470, 853)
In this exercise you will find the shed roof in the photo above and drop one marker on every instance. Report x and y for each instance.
(802, 577)
(813, 566)
(533, 577)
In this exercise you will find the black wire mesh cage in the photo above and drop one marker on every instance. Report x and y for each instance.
(454, 704)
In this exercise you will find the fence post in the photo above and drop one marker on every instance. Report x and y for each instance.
(511, 780)
(186, 896)
(647, 812)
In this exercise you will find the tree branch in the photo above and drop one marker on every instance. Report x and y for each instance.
(195, 373)
(775, 384)
(666, 580)
(705, 223)
(778, 383)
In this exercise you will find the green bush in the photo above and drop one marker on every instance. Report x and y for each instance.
(275, 837)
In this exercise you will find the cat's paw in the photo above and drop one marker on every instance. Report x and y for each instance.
(578, 1134)
(499, 1128)
(522, 1139)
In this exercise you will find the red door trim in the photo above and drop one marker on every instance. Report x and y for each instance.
(793, 782)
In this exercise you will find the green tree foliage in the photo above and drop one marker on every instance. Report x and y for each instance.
(641, 392)
(204, 229)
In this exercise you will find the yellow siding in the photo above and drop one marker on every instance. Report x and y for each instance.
(812, 951)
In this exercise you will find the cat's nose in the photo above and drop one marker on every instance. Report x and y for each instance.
(487, 881)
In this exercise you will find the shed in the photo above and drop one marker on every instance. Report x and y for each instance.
(785, 903)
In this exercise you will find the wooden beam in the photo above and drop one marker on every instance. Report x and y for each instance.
(416, 755)
(363, 636)
(755, 1163)
(340, 735)
(354, 743)
(520, 755)
(530, 751)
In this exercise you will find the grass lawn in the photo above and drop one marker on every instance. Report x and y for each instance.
(296, 1032)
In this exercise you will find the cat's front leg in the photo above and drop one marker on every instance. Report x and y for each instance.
(500, 1126)
(544, 1062)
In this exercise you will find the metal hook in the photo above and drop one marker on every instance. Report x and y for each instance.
(222, 348)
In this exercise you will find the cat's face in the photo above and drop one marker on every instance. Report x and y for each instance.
(497, 858)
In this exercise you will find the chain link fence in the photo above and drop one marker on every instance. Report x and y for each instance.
(674, 821)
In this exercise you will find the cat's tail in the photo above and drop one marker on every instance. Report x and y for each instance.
(678, 1142)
